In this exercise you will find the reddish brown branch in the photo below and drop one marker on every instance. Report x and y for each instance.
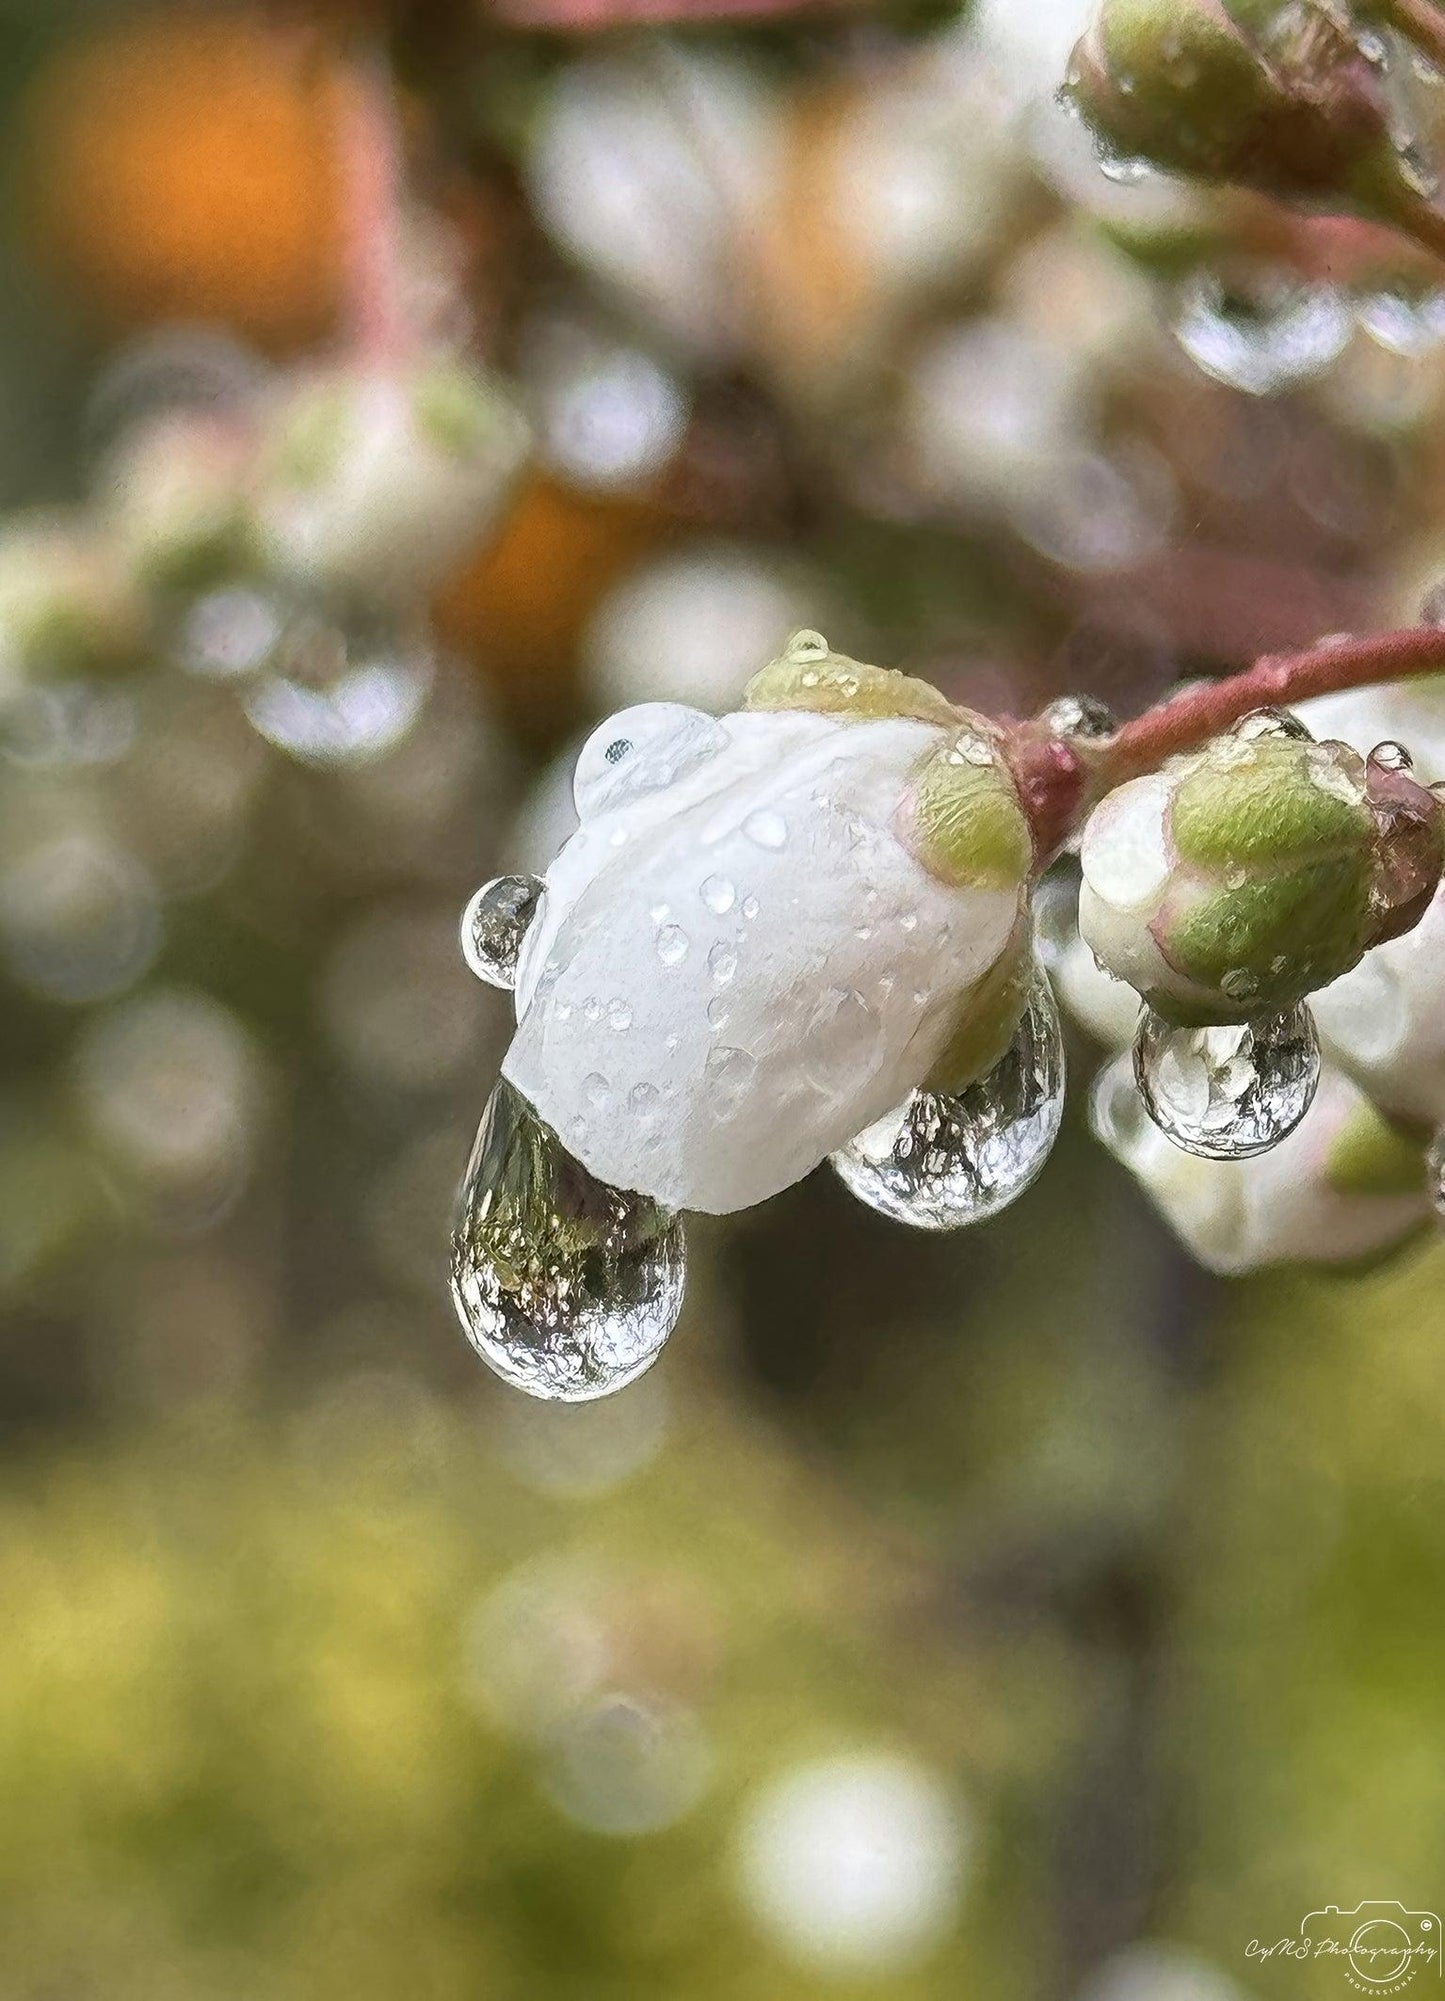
(1278, 681)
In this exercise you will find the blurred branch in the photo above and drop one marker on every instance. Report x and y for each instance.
(593, 16)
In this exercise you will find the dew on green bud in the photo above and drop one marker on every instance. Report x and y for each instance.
(494, 925)
(1264, 723)
(566, 1287)
(941, 1162)
(1228, 1092)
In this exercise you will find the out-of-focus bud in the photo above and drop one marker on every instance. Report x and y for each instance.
(67, 604)
(1253, 872)
(1274, 97)
(376, 485)
(176, 497)
(1385, 1021)
(1345, 1187)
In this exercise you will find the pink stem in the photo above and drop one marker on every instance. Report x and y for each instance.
(374, 176)
(1278, 681)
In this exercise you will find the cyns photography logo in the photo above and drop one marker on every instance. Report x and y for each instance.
(1378, 1947)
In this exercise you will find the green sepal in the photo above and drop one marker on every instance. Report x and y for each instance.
(1271, 804)
(965, 823)
(1276, 938)
(1370, 1155)
(987, 1019)
(808, 675)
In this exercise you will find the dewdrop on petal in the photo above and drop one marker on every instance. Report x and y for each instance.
(375, 484)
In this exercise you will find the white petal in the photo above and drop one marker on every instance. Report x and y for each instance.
(1385, 1021)
(1124, 942)
(1125, 850)
(727, 981)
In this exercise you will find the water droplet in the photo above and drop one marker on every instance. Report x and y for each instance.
(1080, 716)
(619, 1017)
(728, 1072)
(766, 828)
(1116, 1110)
(719, 1012)
(1391, 756)
(1123, 169)
(719, 895)
(598, 1091)
(494, 925)
(751, 906)
(722, 963)
(1229, 1092)
(1403, 321)
(644, 1099)
(566, 1287)
(807, 646)
(1271, 723)
(1265, 338)
(672, 945)
(942, 1162)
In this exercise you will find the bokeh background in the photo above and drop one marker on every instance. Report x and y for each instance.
(1021, 1614)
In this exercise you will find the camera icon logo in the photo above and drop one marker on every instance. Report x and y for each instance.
(1381, 1946)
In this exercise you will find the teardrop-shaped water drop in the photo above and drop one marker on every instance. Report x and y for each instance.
(1264, 335)
(1228, 1092)
(494, 925)
(941, 1162)
(566, 1287)
(1082, 717)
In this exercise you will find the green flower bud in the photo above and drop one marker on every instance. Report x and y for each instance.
(1241, 878)
(1273, 97)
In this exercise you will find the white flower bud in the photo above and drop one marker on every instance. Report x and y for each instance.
(1385, 1021)
(1238, 879)
(67, 605)
(176, 496)
(766, 933)
(377, 485)
(1343, 1188)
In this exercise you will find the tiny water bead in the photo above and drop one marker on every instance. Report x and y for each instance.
(1080, 716)
(1266, 723)
(567, 1288)
(942, 1162)
(494, 925)
(1228, 1092)
(1391, 756)
(1262, 336)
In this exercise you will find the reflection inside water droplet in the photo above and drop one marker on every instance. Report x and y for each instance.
(566, 1287)
(1229, 1092)
(945, 1161)
(494, 925)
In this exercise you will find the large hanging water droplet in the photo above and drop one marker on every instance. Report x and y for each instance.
(494, 925)
(1229, 1092)
(942, 1162)
(566, 1287)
